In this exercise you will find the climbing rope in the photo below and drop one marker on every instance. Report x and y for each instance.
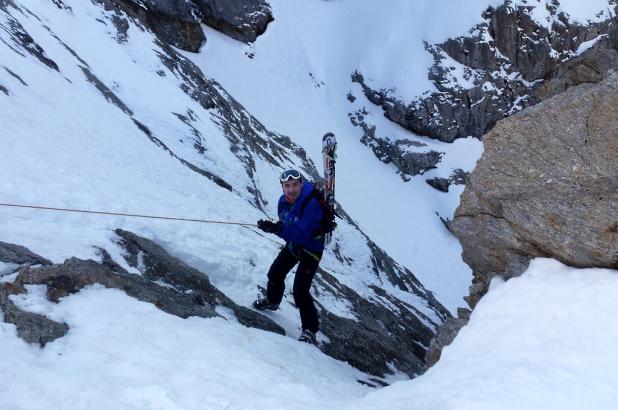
(124, 214)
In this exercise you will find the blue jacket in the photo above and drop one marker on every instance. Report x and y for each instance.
(298, 231)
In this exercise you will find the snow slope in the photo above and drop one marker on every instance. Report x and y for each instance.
(541, 341)
(105, 122)
(545, 340)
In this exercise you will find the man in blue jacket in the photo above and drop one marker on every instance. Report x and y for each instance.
(300, 215)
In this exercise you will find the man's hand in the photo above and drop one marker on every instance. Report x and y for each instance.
(269, 226)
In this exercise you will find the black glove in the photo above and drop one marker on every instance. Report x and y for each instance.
(269, 226)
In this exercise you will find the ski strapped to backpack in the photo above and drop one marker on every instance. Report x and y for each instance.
(329, 148)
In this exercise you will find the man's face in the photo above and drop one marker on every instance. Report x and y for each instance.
(292, 188)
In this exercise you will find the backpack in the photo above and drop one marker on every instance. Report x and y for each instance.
(327, 224)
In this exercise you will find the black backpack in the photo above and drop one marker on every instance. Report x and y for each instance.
(327, 224)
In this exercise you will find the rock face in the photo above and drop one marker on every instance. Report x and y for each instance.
(178, 22)
(546, 186)
(513, 63)
(243, 20)
(408, 162)
(19, 255)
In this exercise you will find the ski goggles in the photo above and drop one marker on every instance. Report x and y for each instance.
(290, 174)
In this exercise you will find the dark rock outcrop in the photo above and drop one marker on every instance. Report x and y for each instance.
(159, 266)
(458, 177)
(31, 327)
(178, 22)
(243, 20)
(166, 282)
(408, 162)
(20, 255)
(513, 63)
(441, 184)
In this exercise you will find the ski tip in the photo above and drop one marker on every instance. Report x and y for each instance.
(328, 140)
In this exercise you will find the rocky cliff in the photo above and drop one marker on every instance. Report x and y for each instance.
(178, 23)
(510, 61)
(546, 186)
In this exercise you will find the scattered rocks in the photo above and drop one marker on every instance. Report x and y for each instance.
(399, 152)
(458, 177)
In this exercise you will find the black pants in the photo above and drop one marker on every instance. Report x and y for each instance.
(283, 264)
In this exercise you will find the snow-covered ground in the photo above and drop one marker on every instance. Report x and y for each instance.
(545, 340)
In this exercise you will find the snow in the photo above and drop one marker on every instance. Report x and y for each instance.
(588, 44)
(545, 340)
(582, 12)
(124, 354)
(7, 268)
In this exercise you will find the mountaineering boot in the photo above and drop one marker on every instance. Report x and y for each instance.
(263, 303)
(308, 337)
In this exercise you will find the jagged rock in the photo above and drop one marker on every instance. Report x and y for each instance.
(409, 163)
(512, 62)
(158, 265)
(243, 20)
(74, 274)
(592, 66)
(20, 255)
(458, 177)
(546, 185)
(378, 338)
(445, 336)
(441, 184)
(31, 327)
(177, 23)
